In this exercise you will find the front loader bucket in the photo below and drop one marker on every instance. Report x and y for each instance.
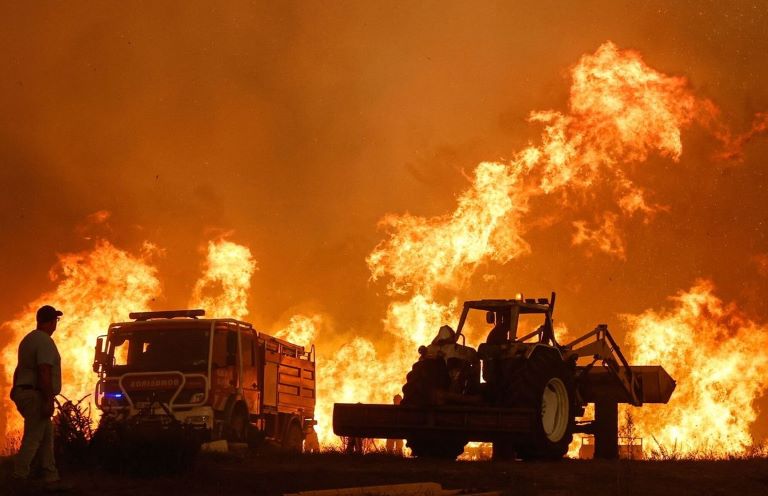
(657, 384)
(600, 384)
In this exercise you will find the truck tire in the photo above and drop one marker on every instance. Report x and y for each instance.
(293, 440)
(445, 447)
(106, 446)
(425, 379)
(238, 425)
(545, 383)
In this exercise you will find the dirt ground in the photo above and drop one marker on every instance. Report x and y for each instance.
(277, 474)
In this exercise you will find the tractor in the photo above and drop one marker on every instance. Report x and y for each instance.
(523, 393)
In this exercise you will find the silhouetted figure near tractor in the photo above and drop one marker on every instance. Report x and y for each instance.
(500, 332)
(354, 445)
(395, 446)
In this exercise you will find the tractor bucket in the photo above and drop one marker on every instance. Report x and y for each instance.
(600, 384)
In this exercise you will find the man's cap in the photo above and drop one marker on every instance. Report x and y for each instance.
(47, 313)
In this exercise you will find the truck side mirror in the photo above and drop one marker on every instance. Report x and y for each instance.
(98, 354)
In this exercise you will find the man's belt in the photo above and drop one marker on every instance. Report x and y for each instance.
(24, 386)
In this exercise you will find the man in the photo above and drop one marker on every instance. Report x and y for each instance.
(36, 382)
(395, 446)
(500, 332)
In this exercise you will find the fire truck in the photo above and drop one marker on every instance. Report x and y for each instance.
(175, 374)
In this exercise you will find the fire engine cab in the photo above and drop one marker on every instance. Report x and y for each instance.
(215, 378)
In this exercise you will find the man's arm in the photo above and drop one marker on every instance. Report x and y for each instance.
(46, 388)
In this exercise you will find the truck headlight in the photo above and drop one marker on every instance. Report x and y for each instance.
(197, 420)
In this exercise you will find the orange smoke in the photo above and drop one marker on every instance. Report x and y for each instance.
(718, 357)
(93, 289)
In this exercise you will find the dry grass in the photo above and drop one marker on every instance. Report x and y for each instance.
(757, 450)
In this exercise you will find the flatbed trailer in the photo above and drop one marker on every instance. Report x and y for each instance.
(487, 424)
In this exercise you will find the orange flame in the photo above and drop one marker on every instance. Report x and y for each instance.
(94, 288)
(717, 356)
(300, 330)
(222, 291)
(621, 110)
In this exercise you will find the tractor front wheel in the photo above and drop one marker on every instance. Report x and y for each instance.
(546, 384)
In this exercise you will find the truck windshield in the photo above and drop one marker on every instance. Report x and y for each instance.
(149, 350)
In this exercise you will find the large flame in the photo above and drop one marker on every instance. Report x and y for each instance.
(717, 355)
(620, 111)
(93, 288)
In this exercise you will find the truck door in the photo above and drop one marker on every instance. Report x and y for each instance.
(250, 361)
(224, 365)
(271, 362)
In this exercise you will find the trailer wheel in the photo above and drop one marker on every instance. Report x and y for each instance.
(424, 380)
(293, 440)
(446, 448)
(545, 383)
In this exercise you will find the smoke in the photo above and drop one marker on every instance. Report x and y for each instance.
(300, 126)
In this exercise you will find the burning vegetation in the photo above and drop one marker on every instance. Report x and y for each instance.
(620, 112)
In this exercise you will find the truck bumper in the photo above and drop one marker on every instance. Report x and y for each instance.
(198, 417)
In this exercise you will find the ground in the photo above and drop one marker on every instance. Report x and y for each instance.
(278, 474)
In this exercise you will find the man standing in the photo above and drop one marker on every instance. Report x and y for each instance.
(395, 446)
(36, 382)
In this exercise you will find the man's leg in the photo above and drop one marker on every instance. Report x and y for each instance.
(29, 404)
(45, 452)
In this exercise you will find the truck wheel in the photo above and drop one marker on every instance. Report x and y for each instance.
(424, 380)
(106, 446)
(238, 426)
(446, 448)
(293, 440)
(546, 384)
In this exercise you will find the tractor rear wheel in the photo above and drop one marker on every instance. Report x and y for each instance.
(545, 383)
(425, 379)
